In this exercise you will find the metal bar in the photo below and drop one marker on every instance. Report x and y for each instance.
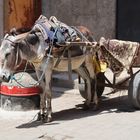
(90, 44)
(109, 83)
(119, 84)
(114, 80)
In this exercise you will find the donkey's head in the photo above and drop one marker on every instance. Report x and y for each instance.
(9, 55)
(16, 47)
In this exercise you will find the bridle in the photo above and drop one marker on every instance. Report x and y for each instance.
(17, 52)
(12, 43)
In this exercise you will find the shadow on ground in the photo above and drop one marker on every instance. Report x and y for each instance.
(114, 105)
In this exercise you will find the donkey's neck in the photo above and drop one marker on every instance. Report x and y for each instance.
(27, 51)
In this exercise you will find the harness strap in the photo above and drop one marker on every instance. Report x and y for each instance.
(17, 57)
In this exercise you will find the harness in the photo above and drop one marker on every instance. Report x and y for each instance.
(55, 30)
(46, 33)
(56, 33)
(17, 52)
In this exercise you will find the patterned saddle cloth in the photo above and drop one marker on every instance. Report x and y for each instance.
(118, 54)
(54, 30)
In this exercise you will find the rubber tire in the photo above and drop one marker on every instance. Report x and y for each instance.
(100, 88)
(134, 91)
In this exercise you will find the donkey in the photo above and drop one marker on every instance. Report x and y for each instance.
(32, 47)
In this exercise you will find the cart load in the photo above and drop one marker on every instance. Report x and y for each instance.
(119, 54)
(123, 55)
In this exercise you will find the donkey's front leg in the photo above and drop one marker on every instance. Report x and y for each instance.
(48, 91)
(45, 113)
(42, 97)
(49, 107)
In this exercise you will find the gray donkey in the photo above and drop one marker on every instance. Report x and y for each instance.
(43, 46)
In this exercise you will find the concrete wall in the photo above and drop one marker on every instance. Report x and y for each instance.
(98, 15)
(1, 19)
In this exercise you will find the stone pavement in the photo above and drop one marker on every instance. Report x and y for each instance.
(115, 120)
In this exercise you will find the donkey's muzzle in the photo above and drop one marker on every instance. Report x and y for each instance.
(5, 78)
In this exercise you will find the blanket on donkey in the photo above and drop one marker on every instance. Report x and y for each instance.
(119, 54)
(55, 30)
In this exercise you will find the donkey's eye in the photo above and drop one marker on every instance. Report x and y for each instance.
(6, 55)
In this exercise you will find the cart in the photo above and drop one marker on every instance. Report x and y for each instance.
(131, 82)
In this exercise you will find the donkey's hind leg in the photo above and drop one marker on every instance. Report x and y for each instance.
(94, 93)
(91, 70)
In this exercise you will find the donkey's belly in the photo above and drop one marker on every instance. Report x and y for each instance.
(64, 62)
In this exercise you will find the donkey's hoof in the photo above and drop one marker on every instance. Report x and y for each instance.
(47, 119)
(95, 107)
(82, 107)
(38, 117)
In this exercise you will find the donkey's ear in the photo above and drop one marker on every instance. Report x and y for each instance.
(32, 39)
(13, 31)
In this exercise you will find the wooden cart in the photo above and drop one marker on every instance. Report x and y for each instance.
(131, 82)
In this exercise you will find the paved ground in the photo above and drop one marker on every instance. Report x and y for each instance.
(115, 120)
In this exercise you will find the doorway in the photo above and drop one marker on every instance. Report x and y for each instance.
(21, 13)
(128, 20)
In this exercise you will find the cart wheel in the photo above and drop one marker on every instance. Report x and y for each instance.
(100, 87)
(134, 91)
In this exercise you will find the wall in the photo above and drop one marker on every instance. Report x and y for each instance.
(98, 15)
